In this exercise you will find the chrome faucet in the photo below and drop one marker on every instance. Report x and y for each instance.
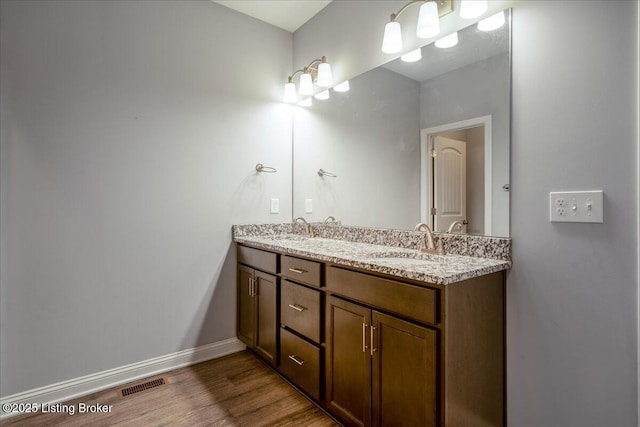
(455, 226)
(427, 244)
(307, 226)
(330, 218)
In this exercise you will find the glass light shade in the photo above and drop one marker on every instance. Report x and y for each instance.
(492, 23)
(290, 93)
(342, 87)
(447, 41)
(307, 102)
(306, 85)
(472, 8)
(325, 79)
(428, 20)
(392, 40)
(413, 56)
(322, 95)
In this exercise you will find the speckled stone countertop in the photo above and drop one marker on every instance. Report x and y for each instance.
(389, 259)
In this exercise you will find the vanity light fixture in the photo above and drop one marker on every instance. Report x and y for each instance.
(492, 23)
(428, 23)
(470, 9)
(447, 41)
(342, 87)
(413, 56)
(318, 68)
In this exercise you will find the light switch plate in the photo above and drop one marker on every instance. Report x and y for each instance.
(308, 205)
(576, 206)
(275, 206)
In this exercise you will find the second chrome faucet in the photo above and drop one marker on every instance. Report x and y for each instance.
(427, 244)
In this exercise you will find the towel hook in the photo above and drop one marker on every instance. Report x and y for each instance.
(262, 168)
(322, 172)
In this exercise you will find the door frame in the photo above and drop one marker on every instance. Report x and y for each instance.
(426, 174)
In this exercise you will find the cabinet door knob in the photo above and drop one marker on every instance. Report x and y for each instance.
(297, 307)
(295, 359)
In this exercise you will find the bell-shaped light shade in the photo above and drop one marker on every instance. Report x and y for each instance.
(428, 21)
(306, 85)
(413, 56)
(392, 40)
(472, 8)
(492, 23)
(322, 95)
(342, 87)
(290, 93)
(325, 79)
(307, 102)
(447, 41)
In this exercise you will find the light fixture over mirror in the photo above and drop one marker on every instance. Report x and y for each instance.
(428, 23)
(318, 68)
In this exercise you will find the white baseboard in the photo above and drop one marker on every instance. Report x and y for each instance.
(88, 384)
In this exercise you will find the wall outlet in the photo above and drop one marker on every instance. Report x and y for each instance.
(275, 206)
(308, 205)
(576, 206)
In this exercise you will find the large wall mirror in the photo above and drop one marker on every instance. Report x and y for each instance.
(425, 141)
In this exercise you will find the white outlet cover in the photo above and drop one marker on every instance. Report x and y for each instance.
(576, 206)
(308, 205)
(275, 206)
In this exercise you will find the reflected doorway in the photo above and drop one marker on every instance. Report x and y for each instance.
(455, 189)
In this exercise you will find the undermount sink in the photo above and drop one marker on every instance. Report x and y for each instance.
(408, 258)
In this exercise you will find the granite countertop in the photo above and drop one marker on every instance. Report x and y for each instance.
(396, 261)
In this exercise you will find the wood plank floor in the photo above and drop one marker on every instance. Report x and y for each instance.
(235, 390)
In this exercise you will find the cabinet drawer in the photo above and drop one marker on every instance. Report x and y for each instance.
(300, 270)
(416, 302)
(300, 362)
(300, 309)
(262, 260)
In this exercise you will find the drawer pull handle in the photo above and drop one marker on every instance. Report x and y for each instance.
(295, 359)
(297, 270)
(297, 307)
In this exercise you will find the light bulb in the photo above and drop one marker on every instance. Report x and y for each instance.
(413, 56)
(325, 79)
(470, 9)
(290, 93)
(322, 95)
(392, 40)
(492, 23)
(447, 41)
(306, 85)
(307, 102)
(428, 20)
(342, 87)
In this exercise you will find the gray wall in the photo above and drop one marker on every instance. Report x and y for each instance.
(368, 138)
(573, 291)
(130, 130)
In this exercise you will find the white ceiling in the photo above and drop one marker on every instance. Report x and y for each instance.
(286, 14)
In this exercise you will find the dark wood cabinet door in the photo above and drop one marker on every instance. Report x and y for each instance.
(266, 296)
(404, 373)
(348, 362)
(246, 321)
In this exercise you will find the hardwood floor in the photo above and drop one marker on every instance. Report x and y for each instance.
(235, 390)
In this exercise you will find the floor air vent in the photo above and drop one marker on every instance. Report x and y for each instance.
(142, 387)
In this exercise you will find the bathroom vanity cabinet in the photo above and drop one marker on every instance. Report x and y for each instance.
(374, 349)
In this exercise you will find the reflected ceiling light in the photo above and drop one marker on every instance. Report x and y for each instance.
(447, 41)
(318, 68)
(492, 23)
(470, 9)
(413, 56)
(322, 95)
(307, 102)
(428, 23)
(342, 87)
